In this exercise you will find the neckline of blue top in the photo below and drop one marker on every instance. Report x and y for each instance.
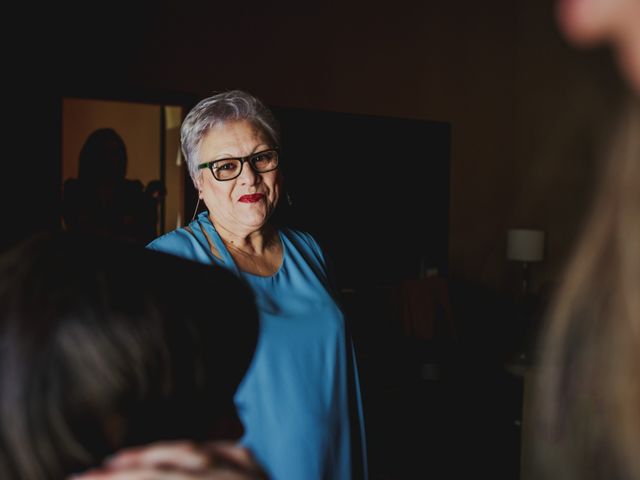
(205, 223)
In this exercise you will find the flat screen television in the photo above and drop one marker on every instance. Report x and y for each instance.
(373, 190)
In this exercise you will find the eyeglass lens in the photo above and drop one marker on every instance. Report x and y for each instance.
(230, 168)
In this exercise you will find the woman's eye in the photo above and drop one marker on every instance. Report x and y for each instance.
(263, 157)
(226, 165)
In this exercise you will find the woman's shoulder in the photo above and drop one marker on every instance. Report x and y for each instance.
(301, 238)
(180, 242)
(305, 243)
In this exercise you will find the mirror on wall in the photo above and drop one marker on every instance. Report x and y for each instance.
(122, 170)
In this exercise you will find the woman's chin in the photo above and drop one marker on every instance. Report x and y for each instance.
(256, 220)
(576, 25)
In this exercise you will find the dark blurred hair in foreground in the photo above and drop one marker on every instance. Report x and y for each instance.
(105, 345)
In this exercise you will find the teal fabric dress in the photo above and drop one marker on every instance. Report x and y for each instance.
(294, 400)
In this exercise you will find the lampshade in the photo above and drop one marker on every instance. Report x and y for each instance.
(525, 245)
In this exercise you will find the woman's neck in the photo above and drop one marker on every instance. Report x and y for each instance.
(253, 242)
(259, 252)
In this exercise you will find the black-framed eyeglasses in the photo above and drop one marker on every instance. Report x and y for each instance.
(230, 168)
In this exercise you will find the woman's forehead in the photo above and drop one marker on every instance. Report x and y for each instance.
(232, 138)
(233, 132)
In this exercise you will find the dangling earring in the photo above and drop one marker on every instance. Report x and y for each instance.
(289, 201)
(195, 210)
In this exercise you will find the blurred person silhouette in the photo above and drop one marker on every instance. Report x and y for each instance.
(587, 399)
(102, 201)
(108, 347)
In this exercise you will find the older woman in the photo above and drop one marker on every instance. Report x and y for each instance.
(295, 400)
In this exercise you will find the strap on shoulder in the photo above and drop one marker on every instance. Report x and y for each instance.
(212, 247)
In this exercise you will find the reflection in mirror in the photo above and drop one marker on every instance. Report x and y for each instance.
(122, 172)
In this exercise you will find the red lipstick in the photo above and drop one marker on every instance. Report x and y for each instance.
(254, 197)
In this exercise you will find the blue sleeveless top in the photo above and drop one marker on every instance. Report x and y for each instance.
(293, 401)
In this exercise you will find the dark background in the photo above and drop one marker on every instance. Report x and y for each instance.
(373, 190)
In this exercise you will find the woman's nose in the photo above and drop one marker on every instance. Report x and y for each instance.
(248, 175)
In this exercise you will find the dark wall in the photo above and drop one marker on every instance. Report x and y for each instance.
(30, 192)
(373, 190)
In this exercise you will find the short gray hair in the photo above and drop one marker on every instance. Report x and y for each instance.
(232, 105)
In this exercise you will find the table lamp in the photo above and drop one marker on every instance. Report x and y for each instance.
(525, 246)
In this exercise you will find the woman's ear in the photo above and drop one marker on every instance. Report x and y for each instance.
(199, 187)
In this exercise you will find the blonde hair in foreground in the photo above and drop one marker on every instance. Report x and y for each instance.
(587, 402)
